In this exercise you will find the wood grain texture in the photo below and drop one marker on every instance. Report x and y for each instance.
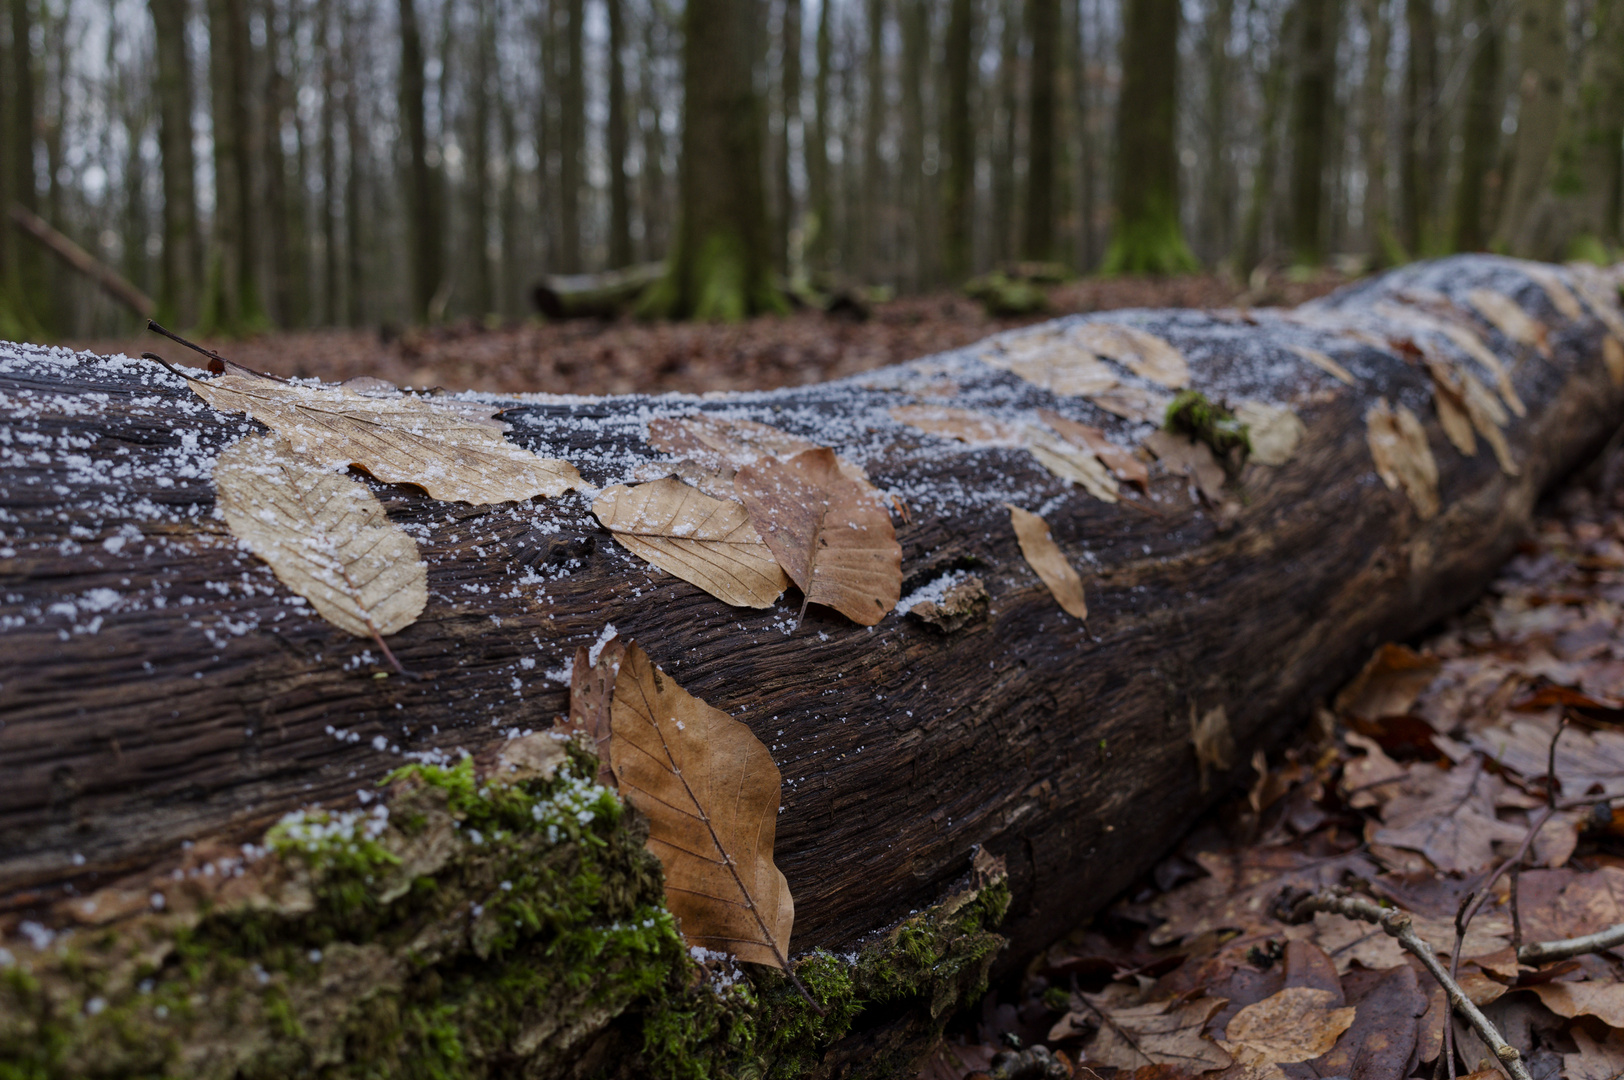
(158, 686)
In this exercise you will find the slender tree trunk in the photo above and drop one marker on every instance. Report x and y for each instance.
(1263, 180)
(482, 300)
(1007, 118)
(789, 123)
(1148, 238)
(1088, 171)
(817, 150)
(572, 138)
(656, 201)
(1480, 131)
(234, 305)
(958, 144)
(511, 289)
(1543, 57)
(1042, 131)
(177, 289)
(873, 241)
(1220, 192)
(1311, 102)
(913, 16)
(620, 203)
(284, 212)
(1418, 155)
(29, 286)
(11, 308)
(327, 306)
(422, 203)
(1382, 244)
(355, 179)
(1583, 184)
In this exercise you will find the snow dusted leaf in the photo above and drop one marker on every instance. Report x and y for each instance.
(723, 445)
(1119, 459)
(1556, 290)
(965, 425)
(450, 451)
(1133, 403)
(1296, 1024)
(1045, 558)
(704, 541)
(1055, 361)
(1272, 430)
(1398, 445)
(1073, 463)
(1323, 362)
(1146, 355)
(830, 533)
(325, 535)
(1465, 405)
(710, 791)
(1182, 456)
(1506, 316)
(1168, 1032)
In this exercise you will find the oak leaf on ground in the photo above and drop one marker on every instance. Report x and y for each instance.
(1131, 1035)
(1297, 1024)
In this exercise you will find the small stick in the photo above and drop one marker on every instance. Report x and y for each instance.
(378, 638)
(1397, 924)
(1543, 952)
(214, 357)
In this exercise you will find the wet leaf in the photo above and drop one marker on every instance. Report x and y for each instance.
(1294, 1025)
(1398, 445)
(1159, 1033)
(977, 429)
(1323, 362)
(704, 541)
(1272, 431)
(1504, 314)
(452, 451)
(1595, 1060)
(1241, 887)
(1585, 760)
(325, 535)
(1119, 459)
(710, 791)
(1378, 1045)
(831, 534)
(1146, 355)
(1214, 744)
(1449, 817)
(1604, 1000)
(1388, 684)
(1045, 558)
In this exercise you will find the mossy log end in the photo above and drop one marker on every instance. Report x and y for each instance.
(200, 874)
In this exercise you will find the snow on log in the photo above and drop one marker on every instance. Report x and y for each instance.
(199, 871)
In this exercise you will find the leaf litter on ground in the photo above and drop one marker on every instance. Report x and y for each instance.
(1413, 788)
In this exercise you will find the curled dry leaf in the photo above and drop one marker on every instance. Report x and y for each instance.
(704, 541)
(1297, 1024)
(1214, 743)
(1119, 459)
(1078, 465)
(1185, 457)
(1465, 405)
(1055, 361)
(1556, 290)
(592, 687)
(325, 535)
(1045, 558)
(1133, 403)
(977, 429)
(1504, 314)
(721, 446)
(1272, 430)
(1604, 1000)
(1131, 1036)
(1398, 445)
(830, 533)
(1388, 684)
(448, 450)
(1323, 362)
(1146, 355)
(710, 791)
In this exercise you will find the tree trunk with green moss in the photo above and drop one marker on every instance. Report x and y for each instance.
(1147, 237)
(721, 266)
(233, 844)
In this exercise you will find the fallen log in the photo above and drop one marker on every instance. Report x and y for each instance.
(199, 876)
(595, 296)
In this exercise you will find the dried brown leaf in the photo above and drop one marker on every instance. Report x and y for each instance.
(1372, 779)
(1594, 1060)
(1585, 760)
(1379, 1044)
(449, 450)
(1133, 403)
(710, 791)
(831, 534)
(1296, 1024)
(1213, 742)
(325, 535)
(1604, 1000)
(1080, 466)
(1504, 314)
(1601, 293)
(1449, 817)
(704, 541)
(1612, 355)
(592, 689)
(977, 429)
(1045, 558)
(1055, 361)
(1159, 1033)
(1556, 290)
(1195, 460)
(1398, 445)
(1388, 684)
(1119, 459)
(720, 442)
(1323, 362)
(1272, 430)
(1146, 355)
(1241, 887)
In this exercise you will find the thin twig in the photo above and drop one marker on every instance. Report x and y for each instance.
(1543, 952)
(1397, 924)
(152, 324)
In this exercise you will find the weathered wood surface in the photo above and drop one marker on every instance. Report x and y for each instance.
(158, 686)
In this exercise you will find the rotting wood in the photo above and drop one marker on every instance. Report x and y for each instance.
(158, 688)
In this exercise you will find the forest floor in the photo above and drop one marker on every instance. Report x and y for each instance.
(590, 356)
(1425, 786)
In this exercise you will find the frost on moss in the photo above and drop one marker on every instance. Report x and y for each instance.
(462, 928)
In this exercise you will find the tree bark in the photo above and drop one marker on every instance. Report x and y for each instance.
(819, 180)
(874, 251)
(423, 228)
(1543, 57)
(233, 304)
(1038, 243)
(329, 306)
(165, 703)
(1382, 241)
(482, 298)
(1218, 202)
(959, 146)
(177, 291)
(1418, 154)
(1147, 237)
(620, 202)
(1480, 137)
(572, 137)
(1311, 119)
(27, 282)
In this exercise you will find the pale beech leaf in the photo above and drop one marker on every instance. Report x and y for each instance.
(1146, 355)
(710, 791)
(1556, 290)
(1119, 459)
(1045, 558)
(1214, 743)
(1053, 360)
(449, 450)
(724, 445)
(1398, 446)
(1133, 403)
(1272, 430)
(1504, 314)
(704, 541)
(1323, 362)
(830, 533)
(965, 425)
(325, 535)
(1073, 463)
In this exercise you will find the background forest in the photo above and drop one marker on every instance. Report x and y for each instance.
(293, 163)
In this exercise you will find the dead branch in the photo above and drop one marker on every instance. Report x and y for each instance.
(1543, 952)
(77, 258)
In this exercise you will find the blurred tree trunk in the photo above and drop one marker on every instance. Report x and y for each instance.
(913, 202)
(656, 204)
(510, 301)
(1417, 153)
(1543, 55)
(620, 203)
(959, 145)
(1088, 157)
(30, 293)
(1480, 134)
(789, 120)
(1382, 244)
(1262, 197)
(721, 265)
(178, 276)
(11, 321)
(233, 305)
(1148, 238)
(872, 252)
(572, 138)
(1219, 215)
(1584, 185)
(285, 213)
(817, 150)
(1042, 131)
(354, 180)
(1311, 105)
(482, 299)
(1007, 118)
(326, 310)
(422, 202)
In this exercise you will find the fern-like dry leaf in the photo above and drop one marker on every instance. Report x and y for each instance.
(704, 541)
(324, 535)
(710, 791)
(832, 534)
(450, 451)
(1045, 558)
(1398, 446)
